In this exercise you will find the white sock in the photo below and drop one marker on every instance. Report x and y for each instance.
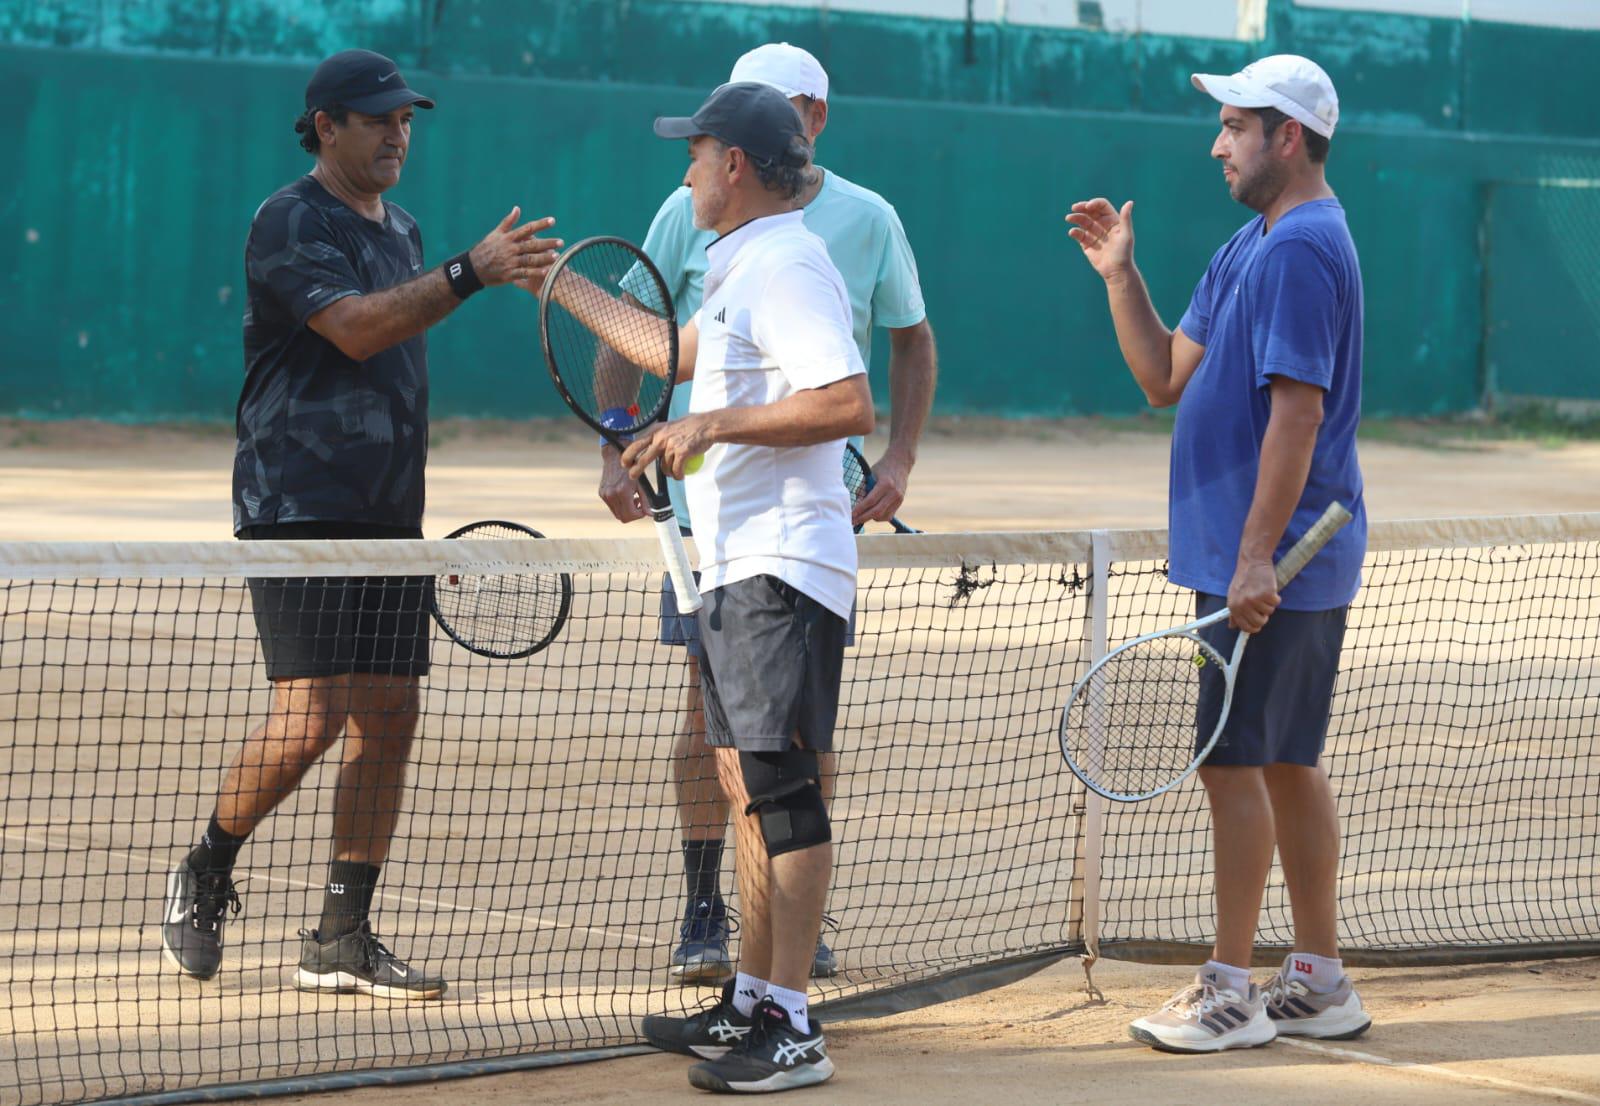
(795, 1003)
(747, 991)
(1226, 976)
(1319, 973)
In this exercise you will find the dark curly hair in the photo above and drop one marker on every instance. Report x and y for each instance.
(788, 173)
(306, 126)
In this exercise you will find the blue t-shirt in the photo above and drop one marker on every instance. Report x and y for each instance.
(865, 241)
(1285, 303)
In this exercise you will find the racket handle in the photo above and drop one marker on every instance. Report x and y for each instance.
(672, 548)
(1332, 520)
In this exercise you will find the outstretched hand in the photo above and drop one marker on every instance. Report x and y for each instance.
(511, 253)
(1105, 234)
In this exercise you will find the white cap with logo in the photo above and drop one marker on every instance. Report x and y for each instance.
(789, 69)
(1294, 85)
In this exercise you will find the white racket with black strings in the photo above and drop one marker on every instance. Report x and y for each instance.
(611, 340)
(1131, 729)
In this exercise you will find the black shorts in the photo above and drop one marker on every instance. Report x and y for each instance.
(337, 625)
(771, 658)
(1283, 694)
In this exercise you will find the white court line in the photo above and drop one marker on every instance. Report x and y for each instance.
(1436, 1072)
(408, 900)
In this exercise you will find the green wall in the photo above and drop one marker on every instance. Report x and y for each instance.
(142, 136)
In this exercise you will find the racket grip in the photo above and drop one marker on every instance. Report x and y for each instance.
(672, 548)
(1332, 520)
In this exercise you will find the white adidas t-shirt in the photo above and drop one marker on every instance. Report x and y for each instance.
(775, 320)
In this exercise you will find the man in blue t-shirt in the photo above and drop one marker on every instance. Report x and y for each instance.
(868, 246)
(1265, 368)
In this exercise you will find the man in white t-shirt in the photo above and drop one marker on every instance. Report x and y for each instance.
(869, 247)
(779, 385)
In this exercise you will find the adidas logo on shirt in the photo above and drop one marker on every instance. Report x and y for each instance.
(721, 316)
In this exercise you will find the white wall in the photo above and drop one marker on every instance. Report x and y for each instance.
(1206, 18)
(1577, 14)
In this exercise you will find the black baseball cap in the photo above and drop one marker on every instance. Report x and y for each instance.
(757, 118)
(361, 81)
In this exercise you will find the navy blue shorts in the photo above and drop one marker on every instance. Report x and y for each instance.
(1283, 695)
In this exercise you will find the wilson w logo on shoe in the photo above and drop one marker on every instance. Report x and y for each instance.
(792, 1052)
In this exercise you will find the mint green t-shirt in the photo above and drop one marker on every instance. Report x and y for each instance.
(865, 241)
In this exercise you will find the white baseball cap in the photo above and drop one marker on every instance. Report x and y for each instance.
(1294, 85)
(789, 69)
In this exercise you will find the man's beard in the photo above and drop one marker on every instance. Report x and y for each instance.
(707, 210)
(1259, 189)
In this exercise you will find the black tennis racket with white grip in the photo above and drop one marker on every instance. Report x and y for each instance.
(1132, 728)
(501, 615)
(859, 479)
(611, 340)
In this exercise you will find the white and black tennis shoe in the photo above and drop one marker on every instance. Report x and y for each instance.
(705, 1035)
(196, 908)
(358, 961)
(1207, 1017)
(773, 1056)
(1298, 1011)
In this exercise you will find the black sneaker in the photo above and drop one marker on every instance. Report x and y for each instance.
(702, 952)
(191, 929)
(358, 961)
(772, 1057)
(708, 1034)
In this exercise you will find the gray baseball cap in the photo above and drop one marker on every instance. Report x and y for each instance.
(755, 117)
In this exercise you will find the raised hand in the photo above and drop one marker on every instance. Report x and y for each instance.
(1105, 235)
(511, 253)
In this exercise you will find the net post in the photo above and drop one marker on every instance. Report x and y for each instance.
(1091, 839)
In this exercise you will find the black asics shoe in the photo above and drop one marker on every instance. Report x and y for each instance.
(358, 961)
(772, 1057)
(191, 929)
(708, 1034)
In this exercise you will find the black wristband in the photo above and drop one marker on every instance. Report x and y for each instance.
(462, 277)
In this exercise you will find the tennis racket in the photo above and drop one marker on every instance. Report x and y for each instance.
(1131, 729)
(858, 478)
(505, 616)
(611, 340)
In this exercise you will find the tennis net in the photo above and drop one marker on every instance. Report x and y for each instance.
(536, 864)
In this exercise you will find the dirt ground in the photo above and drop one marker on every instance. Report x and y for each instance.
(64, 481)
(1508, 1033)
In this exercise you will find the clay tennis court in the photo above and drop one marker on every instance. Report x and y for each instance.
(1507, 1033)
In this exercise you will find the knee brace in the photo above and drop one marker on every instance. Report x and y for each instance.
(785, 796)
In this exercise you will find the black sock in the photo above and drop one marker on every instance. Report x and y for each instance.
(218, 849)
(702, 864)
(348, 898)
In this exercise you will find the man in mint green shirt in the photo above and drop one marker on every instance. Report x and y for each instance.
(868, 246)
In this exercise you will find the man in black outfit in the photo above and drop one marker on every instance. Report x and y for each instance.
(333, 437)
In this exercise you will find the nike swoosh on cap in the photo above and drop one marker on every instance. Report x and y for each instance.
(396, 73)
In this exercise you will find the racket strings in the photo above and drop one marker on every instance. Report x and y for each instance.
(504, 615)
(631, 309)
(1135, 725)
(856, 477)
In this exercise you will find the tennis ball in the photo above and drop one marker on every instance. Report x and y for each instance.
(692, 465)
